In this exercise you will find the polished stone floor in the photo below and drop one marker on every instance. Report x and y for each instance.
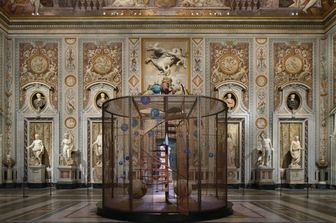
(79, 205)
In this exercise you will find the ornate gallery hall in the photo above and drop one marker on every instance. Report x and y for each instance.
(167, 110)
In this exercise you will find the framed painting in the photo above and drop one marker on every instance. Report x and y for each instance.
(165, 58)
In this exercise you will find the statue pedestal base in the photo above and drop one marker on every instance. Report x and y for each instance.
(294, 176)
(9, 175)
(264, 175)
(97, 173)
(67, 177)
(36, 174)
(233, 175)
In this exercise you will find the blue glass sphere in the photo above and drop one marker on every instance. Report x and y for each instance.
(124, 127)
(145, 100)
(155, 113)
(156, 88)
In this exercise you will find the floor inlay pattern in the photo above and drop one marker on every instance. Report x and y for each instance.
(79, 205)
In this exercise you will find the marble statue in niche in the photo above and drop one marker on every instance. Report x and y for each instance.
(230, 100)
(101, 98)
(67, 150)
(37, 149)
(293, 101)
(98, 149)
(295, 152)
(38, 101)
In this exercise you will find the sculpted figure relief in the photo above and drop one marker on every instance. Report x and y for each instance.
(37, 149)
(295, 152)
(231, 148)
(98, 149)
(164, 59)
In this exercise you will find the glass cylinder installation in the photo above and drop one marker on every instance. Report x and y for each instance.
(164, 157)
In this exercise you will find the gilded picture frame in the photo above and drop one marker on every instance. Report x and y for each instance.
(165, 57)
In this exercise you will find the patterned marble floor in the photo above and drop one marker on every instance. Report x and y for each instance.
(79, 205)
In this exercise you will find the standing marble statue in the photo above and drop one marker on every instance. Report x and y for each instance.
(67, 149)
(295, 152)
(99, 148)
(37, 151)
(266, 148)
(37, 5)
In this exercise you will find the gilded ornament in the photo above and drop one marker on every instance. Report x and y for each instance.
(102, 64)
(70, 80)
(38, 64)
(293, 64)
(229, 64)
(261, 80)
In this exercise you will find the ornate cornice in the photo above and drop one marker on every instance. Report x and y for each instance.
(207, 24)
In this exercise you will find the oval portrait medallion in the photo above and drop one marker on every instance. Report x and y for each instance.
(70, 80)
(261, 123)
(70, 122)
(261, 80)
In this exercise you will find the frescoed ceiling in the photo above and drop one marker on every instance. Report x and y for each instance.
(170, 8)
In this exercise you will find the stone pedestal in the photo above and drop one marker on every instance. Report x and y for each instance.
(294, 176)
(97, 174)
(9, 175)
(36, 174)
(67, 177)
(233, 175)
(264, 175)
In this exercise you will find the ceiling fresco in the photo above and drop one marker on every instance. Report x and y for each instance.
(188, 8)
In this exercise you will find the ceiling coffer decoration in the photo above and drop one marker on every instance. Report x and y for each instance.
(229, 63)
(102, 63)
(39, 63)
(292, 64)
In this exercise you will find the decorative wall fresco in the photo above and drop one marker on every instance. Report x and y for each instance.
(39, 63)
(293, 63)
(102, 62)
(167, 7)
(229, 61)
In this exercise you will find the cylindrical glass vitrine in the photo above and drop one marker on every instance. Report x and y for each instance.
(164, 156)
